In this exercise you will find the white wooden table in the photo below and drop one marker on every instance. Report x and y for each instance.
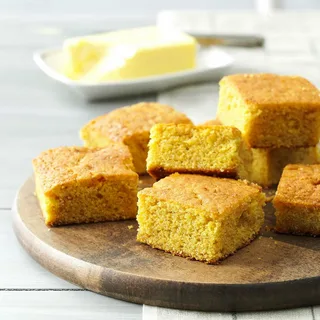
(36, 114)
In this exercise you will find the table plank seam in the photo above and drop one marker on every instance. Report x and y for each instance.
(312, 313)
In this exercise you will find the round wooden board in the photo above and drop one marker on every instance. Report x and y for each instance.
(275, 271)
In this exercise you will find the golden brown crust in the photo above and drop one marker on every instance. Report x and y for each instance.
(272, 111)
(200, 217)
(131, 126)
(66, 164)
(137, 119)
(297, 200)
(286, 90)
(84, 220)
(299, 185)
(159, 172)
(83, 185)
(215, 194)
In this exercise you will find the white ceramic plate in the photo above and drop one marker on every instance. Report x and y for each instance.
(212, 64)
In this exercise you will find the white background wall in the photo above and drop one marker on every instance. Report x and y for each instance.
(135, 7)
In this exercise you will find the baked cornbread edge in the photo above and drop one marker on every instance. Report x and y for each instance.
(57, 189)
(159, 173)
(246, 115)
(259, 201)
(241, 170)
(209, 262)
(137, 141)
(291, 209)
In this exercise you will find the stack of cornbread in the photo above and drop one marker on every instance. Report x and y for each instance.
(278, 117)
(204, 205)
(99, 182)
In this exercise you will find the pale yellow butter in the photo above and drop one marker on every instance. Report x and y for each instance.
(129, 54)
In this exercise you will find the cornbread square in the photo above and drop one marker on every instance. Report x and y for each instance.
(271, 111)
(81, 185)
(209, 150)
(268, 164)
(201, 217)
(131, 126)
(297, 200)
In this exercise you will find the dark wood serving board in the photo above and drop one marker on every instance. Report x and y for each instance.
(275, 271)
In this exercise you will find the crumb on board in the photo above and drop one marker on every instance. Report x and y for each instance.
(269, 198)
(130, 227)
(268, 228)
(259, 258)
(276, 242)
(260, 237)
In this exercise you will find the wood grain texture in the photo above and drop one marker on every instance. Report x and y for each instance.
(275, 271)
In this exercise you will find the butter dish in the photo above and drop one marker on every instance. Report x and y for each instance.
(128, 54)
(212, 63)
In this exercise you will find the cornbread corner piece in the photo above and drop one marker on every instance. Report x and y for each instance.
(297, 200)
(201, 217)
(208, 150)
(271, 111)
(131, 126)
(268, 164)
(81, 185)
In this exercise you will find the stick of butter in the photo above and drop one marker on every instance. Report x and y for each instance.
(129, 54)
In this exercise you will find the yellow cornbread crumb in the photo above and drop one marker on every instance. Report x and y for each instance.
(81, 185)
(209, 150)
(268, 164)
(131, 126)
(200, 217)
(271, 111)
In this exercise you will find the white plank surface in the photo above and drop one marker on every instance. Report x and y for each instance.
(316, 313)
(154, 313)
(51, 305)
